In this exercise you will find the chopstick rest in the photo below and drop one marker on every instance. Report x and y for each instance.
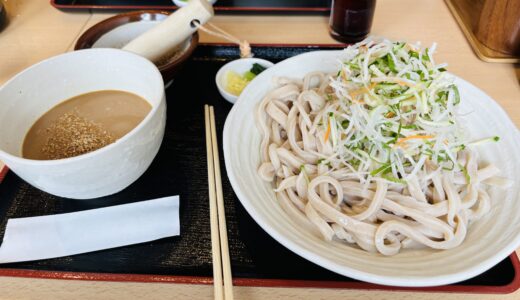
(36, 238)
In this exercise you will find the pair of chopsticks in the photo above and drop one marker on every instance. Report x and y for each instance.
(219, 240)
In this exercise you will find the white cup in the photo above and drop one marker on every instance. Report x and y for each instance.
(36, 90)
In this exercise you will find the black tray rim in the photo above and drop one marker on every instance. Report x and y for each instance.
(173, 7)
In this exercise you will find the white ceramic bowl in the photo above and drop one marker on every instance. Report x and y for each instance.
(240, 66)
(108, 170)
(181, 3)
(489, 240)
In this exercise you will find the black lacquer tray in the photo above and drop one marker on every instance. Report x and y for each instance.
(233, 6)
(180, 169)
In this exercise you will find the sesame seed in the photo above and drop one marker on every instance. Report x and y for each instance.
(71, 135)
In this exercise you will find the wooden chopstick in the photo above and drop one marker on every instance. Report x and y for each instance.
(224, 248)
(213, 213)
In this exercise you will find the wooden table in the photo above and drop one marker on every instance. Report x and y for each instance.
(37, 31)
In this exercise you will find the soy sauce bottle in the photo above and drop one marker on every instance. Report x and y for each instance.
(351, 20)
(3, 17)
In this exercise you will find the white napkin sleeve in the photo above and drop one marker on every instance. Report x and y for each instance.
(36, 238)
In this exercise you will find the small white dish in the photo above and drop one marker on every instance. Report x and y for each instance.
(117, 31)
(108, 170)
(240, 66)
(181, 3)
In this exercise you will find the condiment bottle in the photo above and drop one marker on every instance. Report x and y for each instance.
(3, 16)
(350, 20)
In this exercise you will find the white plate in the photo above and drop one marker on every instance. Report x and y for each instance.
(489, 240)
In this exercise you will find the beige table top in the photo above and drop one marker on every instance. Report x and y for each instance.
(37, 31)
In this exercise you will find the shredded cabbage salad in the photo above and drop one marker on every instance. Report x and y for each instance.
(397, 110)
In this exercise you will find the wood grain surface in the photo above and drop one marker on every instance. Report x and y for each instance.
(37, 31)
(498, 25)
(491, 27)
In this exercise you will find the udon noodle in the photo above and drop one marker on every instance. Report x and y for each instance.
(372, 156)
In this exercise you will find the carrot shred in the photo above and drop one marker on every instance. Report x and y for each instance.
(359, 91)
(414, 137)
(344, 76)
(327, 133)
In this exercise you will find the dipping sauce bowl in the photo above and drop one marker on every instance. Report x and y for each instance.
(36, 90)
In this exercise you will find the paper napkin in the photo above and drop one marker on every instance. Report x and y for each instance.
(67, 234)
